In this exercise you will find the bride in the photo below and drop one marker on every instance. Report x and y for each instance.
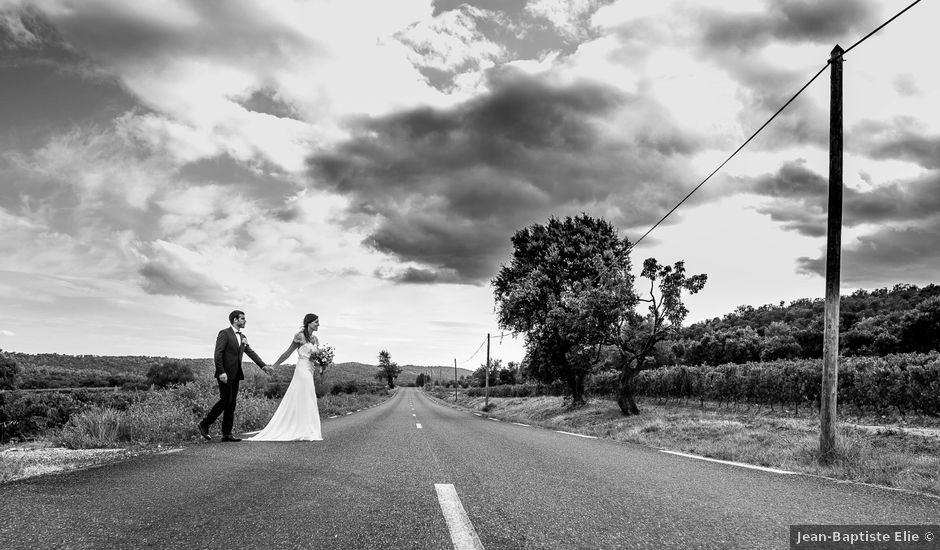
(297, 417)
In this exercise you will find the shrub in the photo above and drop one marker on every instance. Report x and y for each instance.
(9, 371)
(170, 373)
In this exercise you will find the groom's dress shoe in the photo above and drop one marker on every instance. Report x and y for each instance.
(204, 432)
(230, 438)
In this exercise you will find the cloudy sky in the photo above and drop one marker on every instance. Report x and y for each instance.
(162, 163)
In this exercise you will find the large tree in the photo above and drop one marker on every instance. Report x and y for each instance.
(563, 288)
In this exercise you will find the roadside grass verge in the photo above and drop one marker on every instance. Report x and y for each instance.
(169, 417)
(882, 456)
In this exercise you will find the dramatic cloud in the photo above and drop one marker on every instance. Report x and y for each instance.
(450, 186)
(788, 21)
(904, 215)
(370, 160)
(888, 254)
(801, 195)
(901, 139)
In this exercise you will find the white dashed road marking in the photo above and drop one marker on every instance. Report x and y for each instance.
(520, 424)
(418, 425)
(461, 530)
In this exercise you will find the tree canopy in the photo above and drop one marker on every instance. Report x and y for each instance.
(562, 288)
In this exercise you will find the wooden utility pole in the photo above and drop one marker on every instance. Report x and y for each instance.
(486, 399)
(455, 379)
(830, 374)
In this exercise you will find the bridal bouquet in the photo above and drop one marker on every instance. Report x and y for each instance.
(323, 357)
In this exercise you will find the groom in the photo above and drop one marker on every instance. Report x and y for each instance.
(230, 345)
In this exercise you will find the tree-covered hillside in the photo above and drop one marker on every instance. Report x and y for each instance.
(879, 322)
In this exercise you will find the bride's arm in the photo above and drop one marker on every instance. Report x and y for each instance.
(290, 349)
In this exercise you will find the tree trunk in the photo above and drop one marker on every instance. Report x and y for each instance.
(625, 397)
(577, 390)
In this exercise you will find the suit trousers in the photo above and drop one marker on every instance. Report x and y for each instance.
(228, 392)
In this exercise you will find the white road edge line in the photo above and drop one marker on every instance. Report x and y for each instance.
(478, 414)
(729, 462)
(462, 533)
(521, 424)
(418, 425)
(495, 420)
(579, 435)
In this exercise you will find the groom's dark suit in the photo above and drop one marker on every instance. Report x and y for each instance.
(229, 350)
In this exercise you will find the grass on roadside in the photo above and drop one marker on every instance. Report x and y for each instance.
(170, 416)
(888, 457)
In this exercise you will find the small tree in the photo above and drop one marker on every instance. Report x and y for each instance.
(635, 336)
(169, 373)
(419, 381)
(9, 372)
(388, 370)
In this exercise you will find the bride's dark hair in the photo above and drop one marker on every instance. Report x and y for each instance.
(309, 318)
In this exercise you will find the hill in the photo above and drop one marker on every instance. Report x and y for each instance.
(902, 319)
(362, 372)
(55, 370)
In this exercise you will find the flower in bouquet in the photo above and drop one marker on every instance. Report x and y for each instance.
(323, 357)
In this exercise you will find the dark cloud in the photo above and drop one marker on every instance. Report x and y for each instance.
(48, 86)
(413, 276)
(793, 180)
(897, 140)
(225, 30)
(268, 102)
(736, 43)
(789, 21)
(902, 248)
(512, 7)
(894, 254)
(449, 187)
(801, 199)
(164, 276)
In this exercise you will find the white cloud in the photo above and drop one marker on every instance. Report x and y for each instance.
(452, 42)
(569, 17)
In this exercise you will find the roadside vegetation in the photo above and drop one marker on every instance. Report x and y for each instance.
(165, 412)
(882, 450)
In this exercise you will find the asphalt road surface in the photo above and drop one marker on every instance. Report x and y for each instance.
(414, 473)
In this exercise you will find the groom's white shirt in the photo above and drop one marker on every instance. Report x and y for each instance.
(237, 338)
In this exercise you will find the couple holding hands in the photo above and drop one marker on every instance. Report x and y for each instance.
(297, 417)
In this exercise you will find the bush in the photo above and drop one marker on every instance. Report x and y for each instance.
(9, 371)
(170, 373)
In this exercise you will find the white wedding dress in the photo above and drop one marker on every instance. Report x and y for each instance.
(297, 417)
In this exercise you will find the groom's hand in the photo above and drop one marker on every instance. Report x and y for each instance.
(223, 378)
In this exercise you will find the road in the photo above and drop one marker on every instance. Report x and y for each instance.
(375, 481)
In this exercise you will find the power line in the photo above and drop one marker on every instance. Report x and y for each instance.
(500, 336)
(883, 25)
(785, 105)
(474, 353)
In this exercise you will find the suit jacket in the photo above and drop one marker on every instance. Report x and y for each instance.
(228, 355)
